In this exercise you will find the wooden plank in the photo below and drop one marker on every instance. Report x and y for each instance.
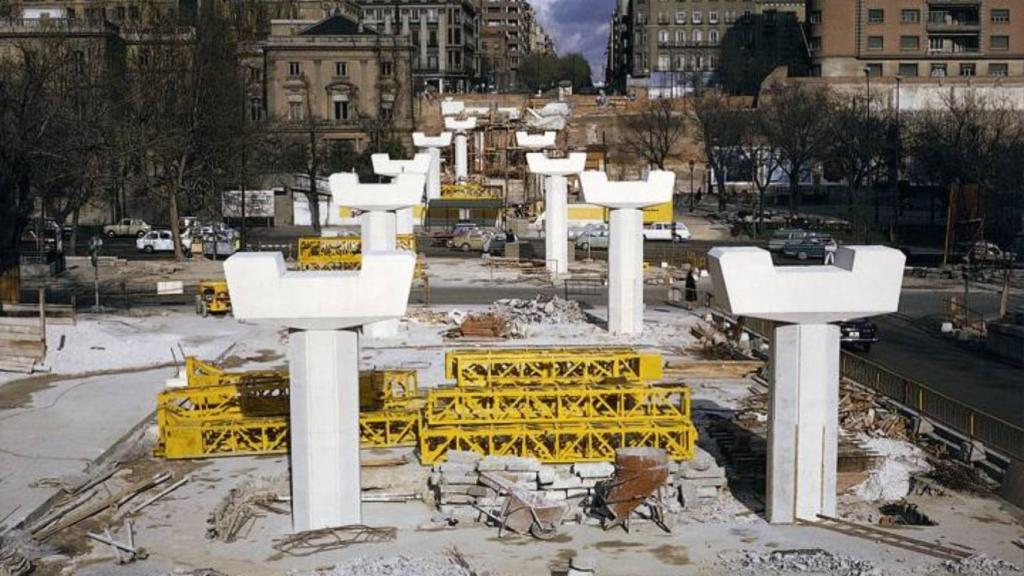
(30, 336)
(712, 368)
(36, 352)
(24, 365)
(5, 330)
(16, 321)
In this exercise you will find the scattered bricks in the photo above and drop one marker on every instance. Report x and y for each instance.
(458, 512)
(468, 479)
(565, 481)
(577, 492)
(456, 499)
(492, 464)
(521, 464)
(673, 468)
(593, 469)
(546, 476)
(590, 482)
(453, 489)
(463, 457)
(491, 502)
(555, 495)
(481, 491)
(456, 468)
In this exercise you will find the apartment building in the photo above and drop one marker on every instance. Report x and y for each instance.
(656, 41)
(916, 38)
(506, 29)
(443, 35)
(340, 75)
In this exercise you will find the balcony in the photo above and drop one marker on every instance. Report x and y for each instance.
(965, 22)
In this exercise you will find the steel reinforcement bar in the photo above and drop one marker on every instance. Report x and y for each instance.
(550, 366)
(559, 404)
(559, 443)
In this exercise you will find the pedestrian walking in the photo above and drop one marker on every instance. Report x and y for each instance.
(691, 288)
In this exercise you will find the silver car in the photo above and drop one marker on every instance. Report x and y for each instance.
(595, 238)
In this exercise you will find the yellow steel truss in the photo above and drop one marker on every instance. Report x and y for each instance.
(199, 373)
(340, 252)
(558, 443)
(469, 191)
(530, 366)
(559, 404)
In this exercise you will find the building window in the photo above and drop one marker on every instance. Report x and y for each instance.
(341, 109)
(874, 70)
(1000, 70)
(681, 17)
(910, 43)
(680, 36)
(295, 110)
(294, 69)
(255, 109)
(876, 16)
(815, 17)
(713, 17)
(1000, 15)
(908, 70)
(938, 71)
(664, 63)
(713, 37)
(814, 43)
(341, 68)
(1000, 43)
(387, 68)
(910, 16)
(386, 111)
(697, 17)
(663, 36)
(968, 70)
(698, 36)
(875, 43)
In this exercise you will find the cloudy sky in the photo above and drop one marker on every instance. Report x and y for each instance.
(578, 26)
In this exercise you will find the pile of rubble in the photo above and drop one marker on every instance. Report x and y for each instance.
(802, 561)
(980, 565)
(398, 565)
(540, 310)
(468, 482)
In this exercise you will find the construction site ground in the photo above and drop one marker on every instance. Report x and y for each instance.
(99, 392)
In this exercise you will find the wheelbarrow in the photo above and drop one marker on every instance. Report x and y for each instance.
(525, 512)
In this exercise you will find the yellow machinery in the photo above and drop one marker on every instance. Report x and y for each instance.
(508, 366)
(231, 413)
(340, 252)
(212, 298)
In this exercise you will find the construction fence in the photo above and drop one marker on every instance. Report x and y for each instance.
(994, 432)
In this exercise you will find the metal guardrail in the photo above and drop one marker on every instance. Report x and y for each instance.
(994, 432)
(584, 287)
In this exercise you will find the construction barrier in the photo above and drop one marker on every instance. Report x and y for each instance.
(994, 432)
(550, 366)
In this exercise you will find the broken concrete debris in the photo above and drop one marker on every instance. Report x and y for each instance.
(395, 566)
(236, 511)
(980, 565)
(812, 561)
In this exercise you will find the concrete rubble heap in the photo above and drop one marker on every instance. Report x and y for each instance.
(463, 483)
(398, 565)
(540, 310)
(980, 565)
(801, 561)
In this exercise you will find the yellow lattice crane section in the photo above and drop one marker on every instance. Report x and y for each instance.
(550, 366)
(340, 252)
(223, 413)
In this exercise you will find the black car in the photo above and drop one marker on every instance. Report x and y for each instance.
(858, 334)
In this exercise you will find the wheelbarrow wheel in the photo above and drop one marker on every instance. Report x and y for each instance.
(543, 531)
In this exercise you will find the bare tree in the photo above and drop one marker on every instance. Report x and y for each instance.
(654, 132)
(795, 122)
(761, 155)
(720, 127)
(858, 141)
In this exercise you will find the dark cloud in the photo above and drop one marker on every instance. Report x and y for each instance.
(578, 26)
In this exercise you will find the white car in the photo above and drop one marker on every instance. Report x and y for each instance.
(161, 241)
(674, 231)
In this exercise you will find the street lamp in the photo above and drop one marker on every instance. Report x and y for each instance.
(691, 183)
(867, 78)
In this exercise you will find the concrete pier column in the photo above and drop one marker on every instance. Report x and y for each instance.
(625, 271)
(324, 428)
(804, 408)
(556, 209)
(377, 228)
(405, 222)
(626, 241)
(433, 145)
(461, 157)
(803, 401)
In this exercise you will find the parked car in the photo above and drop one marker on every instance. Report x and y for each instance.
(982, 253)
(785, 236)
(674, 231)
(815, 247)
(127, 227)
(495, 245)
(472, 239)
(593, 239)
(161, 241)
(859, 334)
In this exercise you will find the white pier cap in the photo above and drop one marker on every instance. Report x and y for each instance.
(657, 189)
(541, 164)
(536, 141)
(385, 166)
(442, 140)
(863, 281)
(451, 107)
(404, 191)
(460, 125)
(263, 290)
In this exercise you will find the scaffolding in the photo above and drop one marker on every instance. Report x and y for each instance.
(550, 366)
